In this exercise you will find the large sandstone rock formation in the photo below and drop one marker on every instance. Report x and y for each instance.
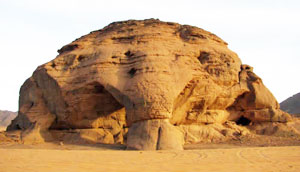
(168, 83)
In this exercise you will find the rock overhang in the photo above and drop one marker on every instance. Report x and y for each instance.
(134, 71)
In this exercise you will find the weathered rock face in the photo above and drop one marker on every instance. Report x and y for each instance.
(164, 81)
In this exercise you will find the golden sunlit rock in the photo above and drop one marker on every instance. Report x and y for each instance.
(150, 84)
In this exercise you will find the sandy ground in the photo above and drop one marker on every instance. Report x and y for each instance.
(64, 158)
(247, 154)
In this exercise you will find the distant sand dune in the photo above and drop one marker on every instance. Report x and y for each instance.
(236, 159)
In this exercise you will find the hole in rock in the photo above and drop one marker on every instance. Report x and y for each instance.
(243, 121)
(81, 57)
(99, 88)
(132, 72)
(204, 56)
(53, 65)
(129, 54)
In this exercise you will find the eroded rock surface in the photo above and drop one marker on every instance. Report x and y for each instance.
(168, 83)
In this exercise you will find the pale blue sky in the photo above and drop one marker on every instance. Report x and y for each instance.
(264, 33)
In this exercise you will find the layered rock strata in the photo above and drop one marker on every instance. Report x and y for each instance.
(168, 83)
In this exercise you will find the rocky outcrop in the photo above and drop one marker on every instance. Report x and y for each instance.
(6, 117)
(291, 105)
(168, 83)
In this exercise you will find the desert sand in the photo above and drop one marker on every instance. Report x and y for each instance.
(68, 158)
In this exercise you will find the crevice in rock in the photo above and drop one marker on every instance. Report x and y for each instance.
(31, 105)
(203, 57)
(158, 138)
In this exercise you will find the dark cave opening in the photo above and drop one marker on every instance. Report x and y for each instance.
(243, 121)
(98, 88)
(18, 127)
